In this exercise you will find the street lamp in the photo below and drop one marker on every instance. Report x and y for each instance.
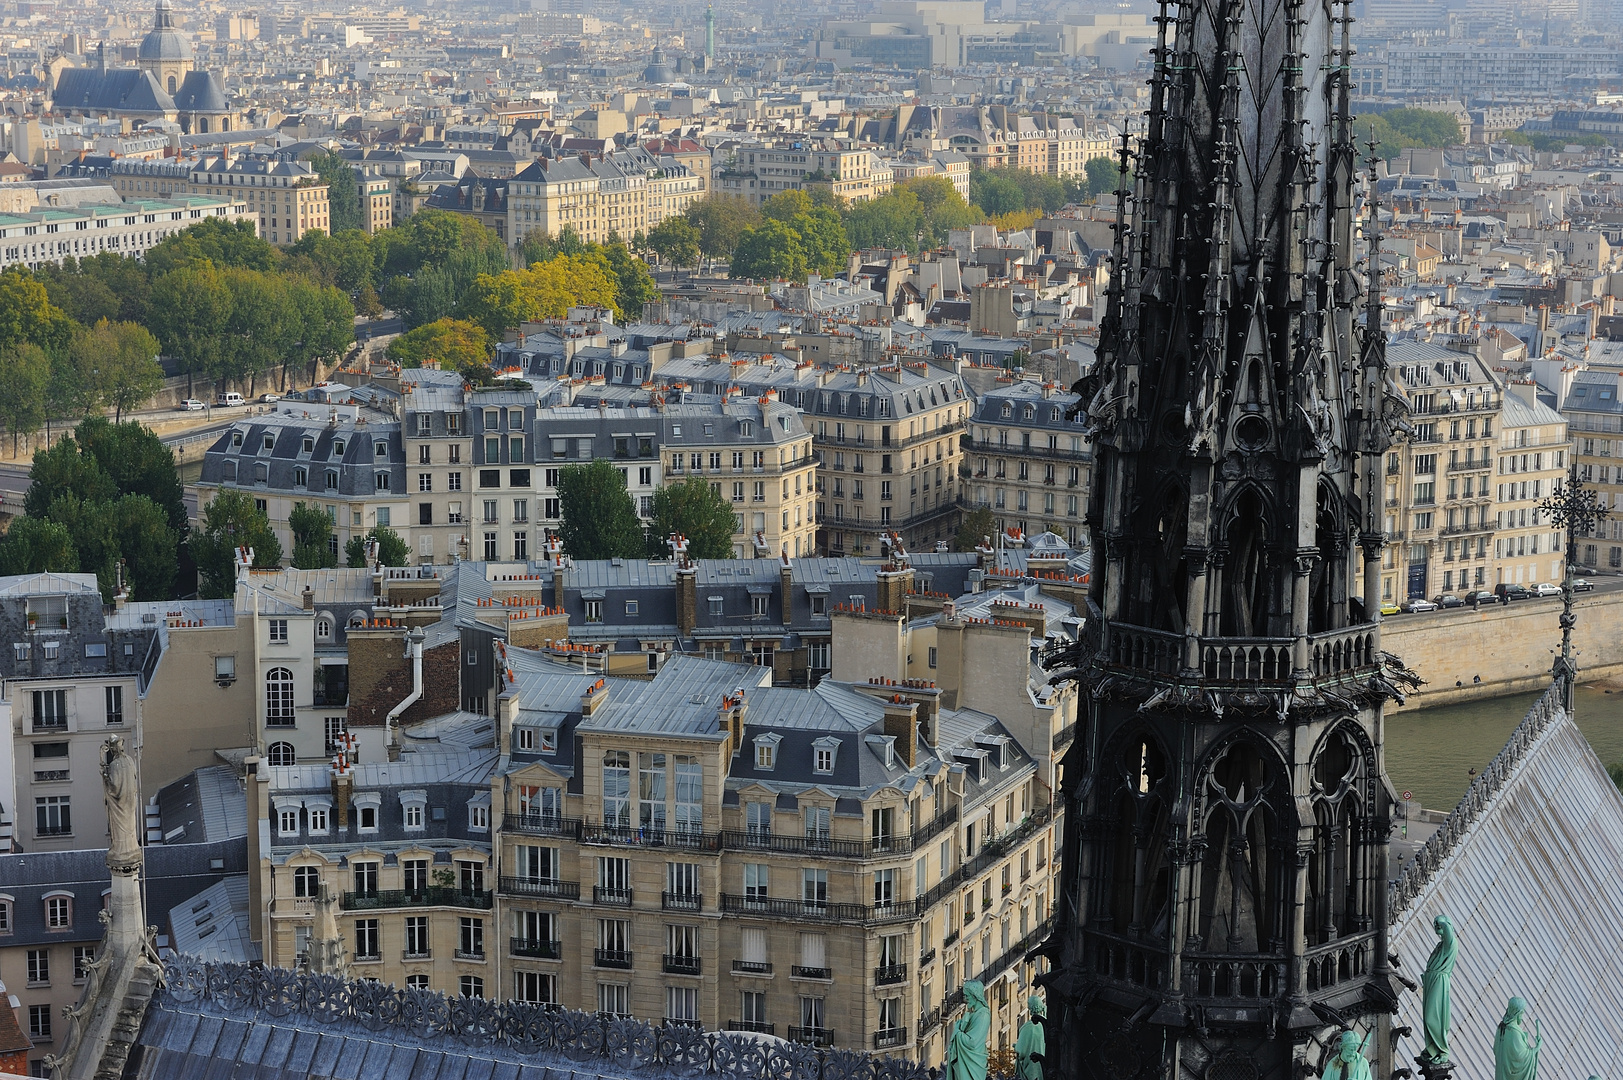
(1575, 508)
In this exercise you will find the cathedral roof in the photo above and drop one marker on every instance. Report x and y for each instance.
(1531, 887)
(163, 41)
(117, 89)
(201, 92)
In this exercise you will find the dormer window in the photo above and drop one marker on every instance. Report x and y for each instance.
(236, 437)
(824, 752)
(766, 751)
(309, 444)
(270, 441)
(367, 805)
(380, 450)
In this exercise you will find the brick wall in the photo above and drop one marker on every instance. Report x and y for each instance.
(380, 677)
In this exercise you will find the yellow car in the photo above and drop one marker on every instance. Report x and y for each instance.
(1389, 607)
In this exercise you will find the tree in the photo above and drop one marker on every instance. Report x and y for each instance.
(697, 511)
(191, 307)
(260, 329)
(772, 250)
(823, 238)
(1103, 175)
(130, 372)
(231, 520)
(894, 220)
(452, 344)
(37, 546)
(27, 316)
(312, 533)
(25, 372)
(547, 290)
(721, 221)
(63, 471)
(367, 303)
(345, 259)
(343, 192)
(944, 209)
(599, 520)
(785, 206)
(977, 525)
(676, 241)
(634, 286)
(220, 241)
(138, 463)
(392, 550)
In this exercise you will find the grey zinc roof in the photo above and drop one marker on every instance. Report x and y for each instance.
(355, 466)
(213, 925)
(1532, 890)
(1515, 413)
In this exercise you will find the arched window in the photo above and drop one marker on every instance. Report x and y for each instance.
(323, 629)
(281, 753)
(306, 881)
(279, 698)
(357, 619)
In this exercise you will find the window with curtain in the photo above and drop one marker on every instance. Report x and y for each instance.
(617, 788)
(812, 953)
(753, 941)
(651, 791)
(689, 793)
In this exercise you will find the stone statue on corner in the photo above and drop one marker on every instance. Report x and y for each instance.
(1031, 1047)
(966, 1045)
(123, 797)
(1434, 991)
(1347, 1060)
(1515, 1049)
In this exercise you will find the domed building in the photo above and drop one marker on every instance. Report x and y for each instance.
(165, 84)
(658, 72)
(164, 52)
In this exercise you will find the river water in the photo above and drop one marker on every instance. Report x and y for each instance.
(1430, 752)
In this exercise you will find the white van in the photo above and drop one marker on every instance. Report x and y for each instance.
(230, 400)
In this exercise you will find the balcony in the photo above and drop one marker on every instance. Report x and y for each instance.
(681, 901)
(889, 1038)
(925, 958)
(425, 954)
(431, 896)
(534, 824)
(751, 967)
(950, 940)
(604, 894)
(471, 954)
(1231, 977)
(760, 1027)
(929, 1020)
(612, 958)
(819, 911)
(597, 832)
(798, 972)
(53, 830)
(535, 949)
(681, 965)
(890, 974)
(545, 888)
(826, 847)
(50, 724)
(812, 1036)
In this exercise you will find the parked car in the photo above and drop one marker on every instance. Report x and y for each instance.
(191, 404)
(1507, 591)
(1418, 605)
(1448, 600)
(268, 399)
(1582, 584)
(1544, 588)
(1389, 607)
(1478, 597)
(230, 400)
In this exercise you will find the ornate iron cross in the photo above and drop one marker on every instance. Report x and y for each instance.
(1577, 509)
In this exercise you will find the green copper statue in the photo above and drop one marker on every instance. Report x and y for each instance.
(1347, 1062)
(1032, 1045)
(966, 1045)
(1434, 990)
(1515, 1051)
